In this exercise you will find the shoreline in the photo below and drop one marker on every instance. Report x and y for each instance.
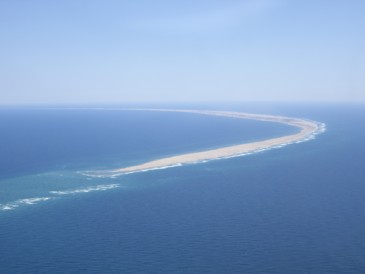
(307, 131)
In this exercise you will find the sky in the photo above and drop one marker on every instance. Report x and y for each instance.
(117, 51)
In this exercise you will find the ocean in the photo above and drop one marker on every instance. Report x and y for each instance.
(294, 209)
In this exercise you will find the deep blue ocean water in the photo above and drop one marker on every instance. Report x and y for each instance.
(297, 209)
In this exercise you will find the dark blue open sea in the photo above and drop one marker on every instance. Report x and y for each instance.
(295, 209)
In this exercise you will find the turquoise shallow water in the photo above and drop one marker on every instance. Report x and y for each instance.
(298, 209)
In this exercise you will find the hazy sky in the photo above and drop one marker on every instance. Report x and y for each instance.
(88, 51)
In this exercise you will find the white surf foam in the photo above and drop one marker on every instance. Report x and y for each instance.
(154, 168)
(32, 201)
(23, 202)
(84, 190)
(114, 174)
(95, 174)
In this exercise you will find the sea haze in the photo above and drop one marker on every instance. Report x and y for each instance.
(297, 209)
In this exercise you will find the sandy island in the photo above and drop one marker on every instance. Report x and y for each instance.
(307, 130)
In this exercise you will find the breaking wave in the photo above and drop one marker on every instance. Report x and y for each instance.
(84, 190)
(23, 202)
(55, 194)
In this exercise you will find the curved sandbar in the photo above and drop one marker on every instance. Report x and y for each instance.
(307, 130)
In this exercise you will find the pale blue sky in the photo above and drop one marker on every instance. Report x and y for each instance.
(88, 51)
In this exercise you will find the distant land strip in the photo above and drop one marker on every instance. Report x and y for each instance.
(308, 129)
